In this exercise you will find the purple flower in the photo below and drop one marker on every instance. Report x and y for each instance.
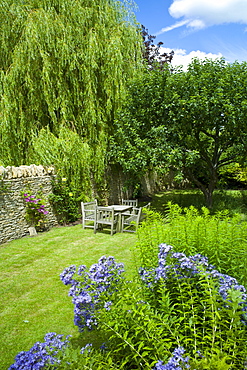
(88, 286)
(35, 210)
(176, 362)
(88, 348)
(181, 266)
(81, 269)
(103, 347)
(107, 305)
(67, 275)
(41, 354)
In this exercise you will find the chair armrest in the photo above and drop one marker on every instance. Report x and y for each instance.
(126, 214)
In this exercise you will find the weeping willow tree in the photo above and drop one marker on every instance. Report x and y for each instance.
(64, 65)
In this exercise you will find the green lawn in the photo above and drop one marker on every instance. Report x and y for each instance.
(33, 300)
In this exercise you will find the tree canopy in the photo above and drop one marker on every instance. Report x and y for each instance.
(193, 121)
(63, 66)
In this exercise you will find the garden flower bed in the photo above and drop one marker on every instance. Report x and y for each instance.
(182, 314)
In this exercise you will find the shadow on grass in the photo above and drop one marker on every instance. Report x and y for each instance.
(233, 200)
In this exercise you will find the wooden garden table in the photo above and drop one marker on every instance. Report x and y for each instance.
(119, 209)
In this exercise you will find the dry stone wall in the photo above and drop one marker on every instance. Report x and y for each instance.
(14, 180)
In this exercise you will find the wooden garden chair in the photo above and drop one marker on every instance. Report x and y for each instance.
(106, 217)
(130, 202)
(131, 220)
(88, 210)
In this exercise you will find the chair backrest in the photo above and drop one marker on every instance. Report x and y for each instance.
(130, 202)
(137, 213)
(104, 214)
(88, 210)
(105, 217)
(143, 213)
(85, 206)
(147, 206)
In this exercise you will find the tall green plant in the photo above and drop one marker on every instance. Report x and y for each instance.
(63, 63)
(71, 156)
(182, 306)
(65, 202)
(220, 237)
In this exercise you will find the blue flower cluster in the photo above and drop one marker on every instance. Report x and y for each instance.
(87, 288)
(87, 348)
(181, 266)
(40, 354)
(176, 362)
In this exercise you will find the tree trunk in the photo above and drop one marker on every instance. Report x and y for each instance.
(206, 189)
(208, 196)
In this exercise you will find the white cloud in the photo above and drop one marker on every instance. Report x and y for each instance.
(210, 11)
(181, 57)
(198, 14)
(170, 28)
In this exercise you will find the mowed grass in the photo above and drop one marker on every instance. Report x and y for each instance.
(33, 300)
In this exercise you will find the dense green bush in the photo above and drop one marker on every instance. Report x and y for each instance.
(219, 237)
(64, 201)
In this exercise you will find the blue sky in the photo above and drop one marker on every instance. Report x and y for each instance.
(202, 28)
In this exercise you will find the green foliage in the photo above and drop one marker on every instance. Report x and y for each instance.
(220, 237)
(145, 324)
(140, 134)
(240, 173)
(151, 233)
(35, 209)
(63, 64)
(71, 156)
(192, 122)
(64, 201)
(232, 200)
(216, 361)
(134, 330)
(72, 359)
(209, 106)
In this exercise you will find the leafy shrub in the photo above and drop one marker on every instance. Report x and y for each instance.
(35, 210)
(64, 201)
(220, 237)
(183, 304)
